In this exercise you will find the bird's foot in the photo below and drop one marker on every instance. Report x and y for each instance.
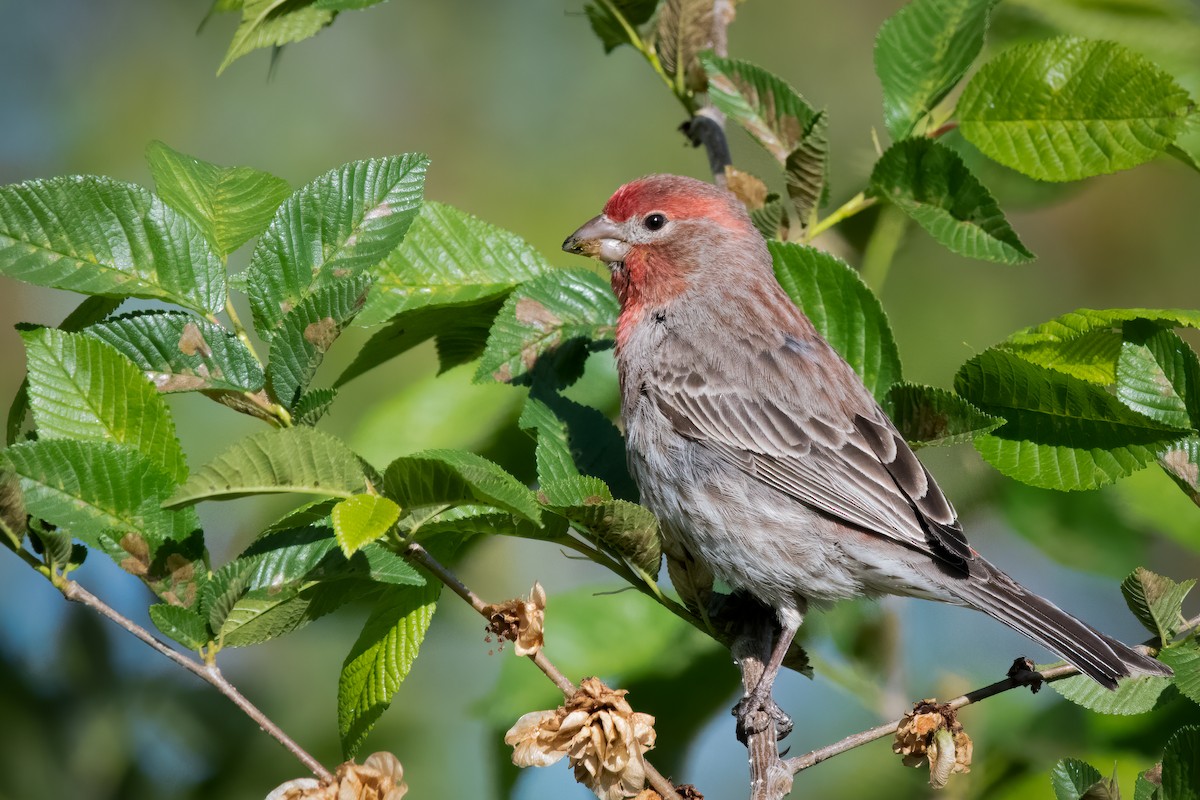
(755, 712)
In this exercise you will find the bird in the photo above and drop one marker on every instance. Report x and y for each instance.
(765, 458)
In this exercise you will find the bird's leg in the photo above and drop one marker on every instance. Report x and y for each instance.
(759, 699)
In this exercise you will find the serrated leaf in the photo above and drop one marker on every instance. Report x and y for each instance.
(930, 183)
(307, 332)
(341, 224)
(109, 496)
(274, 23)
(226, 586)
(381, 659)
(82, 388)
(1182, 463)
(261, 615)
(577, 490)
(99, 236)
(921, 52)
(1133, 695)
(928, 416)
(1181, 765)
(1184, 659)
(13, 517)
(806, 170)
(301, 459)
(180, 352)
(1066, 109)
(362, 519)
(1061, 432)
(1145, 789)
(682, 29)
(1158, 375)
(450, 258)
(626, 528)
(1156, 601)
(231, 205)
(1071, 778)
(607, 25)
(455, 477)
(180, 625)
(770, 220)
(312, 405)
(1086, 343)
(545, 315)
(464, 521)
(843, 310)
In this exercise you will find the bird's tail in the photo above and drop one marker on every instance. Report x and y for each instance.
(1100, 657)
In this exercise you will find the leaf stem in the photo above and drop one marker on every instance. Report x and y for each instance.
(639, 44)
(860, 202)
(240, 329)
(882, 245)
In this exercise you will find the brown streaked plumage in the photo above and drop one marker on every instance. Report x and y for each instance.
(763, 455)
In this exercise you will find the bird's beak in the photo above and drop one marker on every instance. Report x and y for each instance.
(599, 238)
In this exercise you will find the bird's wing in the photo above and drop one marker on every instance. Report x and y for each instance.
(833, 450)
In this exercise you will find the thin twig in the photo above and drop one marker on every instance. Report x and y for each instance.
(1016, 681)
(769, 777)
(420, 555)
(209, 673)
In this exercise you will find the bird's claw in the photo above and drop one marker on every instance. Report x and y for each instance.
(755, 713)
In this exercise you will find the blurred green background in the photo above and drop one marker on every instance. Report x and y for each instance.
(530, 126)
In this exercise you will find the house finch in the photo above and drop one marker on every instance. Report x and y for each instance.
(763, 455)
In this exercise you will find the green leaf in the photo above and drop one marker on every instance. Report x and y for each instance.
(1071, 778)
(231, 205)
(1181, 765)
(1182, 464)
(13, 517)
(455, 477)
(180, 625)
(300, 459)
(624, 527)
(450, 258)
(1087, 343)
(109, 496)
(607, 24)
(91, 310)
(930, 183)
(1158, 375)
(223, 590)
(274, 23)
(1061, 432)
(780, 120)
(928, 416)
(843, 310)
(81, 388)
(313, 405)
(545, 315)
(1133, 695)
(1067, 109)
(921, 52)
(362, 519)
(260, 615)
(1145, 789)
(180, 352)
(99, 236)
(1184, 659)
(1156, 601)
(381, 659)
(341, 224)
(307, 332)
(683, 28)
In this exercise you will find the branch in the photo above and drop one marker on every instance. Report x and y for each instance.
(207, 672)
(1014, 681)
(770, 778)
(420, 555)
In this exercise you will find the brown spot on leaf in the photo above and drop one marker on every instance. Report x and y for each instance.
(175, 382)
(192, 341)
(138, 549)
(747, 188)
(322, 333)
(1179, 465)
(531, 312)
(504, 374)
(343, 272)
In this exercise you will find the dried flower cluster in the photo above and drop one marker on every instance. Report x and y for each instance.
(604, 737)
(380, 777)
(520, 621)
(931, 734)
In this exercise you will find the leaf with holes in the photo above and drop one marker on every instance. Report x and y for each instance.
(362, 519)
(231, 205)
(928, 416)
(307, 332)
(921, 52)
(1065, 109)
(99, 236)
(930, 183)
(1061, 432)
(544, 316)
(843, 310)
(303, 460)
(381, 659)
(180, 352)
(109, 496)
(339, 225)
(1156, 601)
(82, 388)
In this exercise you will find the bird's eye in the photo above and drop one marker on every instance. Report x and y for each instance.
(654, 222)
